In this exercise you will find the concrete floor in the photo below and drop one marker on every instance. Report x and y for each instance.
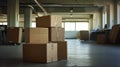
(80, 54)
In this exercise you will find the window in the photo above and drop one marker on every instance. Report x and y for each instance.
(33, 24)
(75, 26)
(69, 26)
(63, 25)
(81, 26)
(1, 23)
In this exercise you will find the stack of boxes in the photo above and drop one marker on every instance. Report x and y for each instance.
(54, 24)
(45, 43)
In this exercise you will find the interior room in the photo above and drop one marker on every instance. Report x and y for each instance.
(59, 33)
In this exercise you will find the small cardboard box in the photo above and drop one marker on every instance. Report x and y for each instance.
(14, 34)
(49, 21)
(56, 34)
(42, 53)
(36, 35)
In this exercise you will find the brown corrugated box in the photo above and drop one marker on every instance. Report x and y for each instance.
(56, 34)
(49, 21)
(84, 35)
(62, 49)
(14, 34)
(42, 53)
(101, 39)
(36, 35)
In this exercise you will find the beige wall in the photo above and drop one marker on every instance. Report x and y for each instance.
(97, 20)
(91, 23)
(118, 11)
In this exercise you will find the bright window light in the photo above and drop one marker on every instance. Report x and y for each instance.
(63, 25)
(4, 23)
(69, 26)
(33, 24)
(1, 23)
(81, 26)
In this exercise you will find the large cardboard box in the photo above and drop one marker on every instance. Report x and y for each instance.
(49, 21)
(36, 35)
(14, 34)
(42, 53)
(56, 34)
(62, 50)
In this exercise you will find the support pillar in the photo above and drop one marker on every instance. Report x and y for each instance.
(118, 16)
(28, 17)
(108, 15)
(100, 18)
(115, 12)
(91, 23)
(13, 13)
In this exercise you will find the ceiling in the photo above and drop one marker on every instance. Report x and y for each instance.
(60, 7)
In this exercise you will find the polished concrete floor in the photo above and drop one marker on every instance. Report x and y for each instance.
(80, 54)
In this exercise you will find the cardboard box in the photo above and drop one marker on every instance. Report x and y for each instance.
(84, 35)
(36, 35)
(14, 34)
(101, 39)
(62, 50)
(56, 34)
(42, 53)
(49, 21)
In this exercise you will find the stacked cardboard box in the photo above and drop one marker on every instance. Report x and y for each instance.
(61, 50)
(14, 34)
(49, 21)
(36, 35)
(53, 23)
(56, 33)
(38, 47)
(42, 53)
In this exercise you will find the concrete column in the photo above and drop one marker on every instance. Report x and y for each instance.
(13, 13)
(118, 15)
(118, 12)
(28, 17)
(115, 12)
(100, 18)
(95, 23)
(111, 15)
(108, 15)
(104, 16)
(91, 23)
(97, 20)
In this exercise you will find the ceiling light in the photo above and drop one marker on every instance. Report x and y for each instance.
(71, 10)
